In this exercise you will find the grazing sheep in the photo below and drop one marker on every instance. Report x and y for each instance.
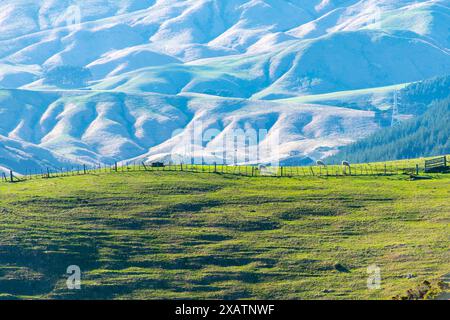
(346, 163)
(320, 163)
(267, 170)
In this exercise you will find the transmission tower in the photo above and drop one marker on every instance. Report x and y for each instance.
(395, 110)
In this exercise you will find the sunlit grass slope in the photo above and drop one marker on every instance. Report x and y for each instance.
(153, 235)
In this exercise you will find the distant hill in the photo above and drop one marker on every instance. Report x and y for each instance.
(267, 49)
(426, 135)
(131, 80)
(416, 97)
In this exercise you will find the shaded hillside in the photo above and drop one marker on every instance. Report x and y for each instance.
(416, 97)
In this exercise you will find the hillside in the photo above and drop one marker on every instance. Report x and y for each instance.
(264, 49)
(424, 136)
(315, 75)
(183, 236)
(424, 92)
(106, 126)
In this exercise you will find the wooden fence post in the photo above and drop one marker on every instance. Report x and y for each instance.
(84, 168)
(11, 176)
(417, 169)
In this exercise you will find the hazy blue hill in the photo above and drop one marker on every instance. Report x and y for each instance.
(317, 74)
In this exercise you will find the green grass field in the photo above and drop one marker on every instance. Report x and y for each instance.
(158, 235)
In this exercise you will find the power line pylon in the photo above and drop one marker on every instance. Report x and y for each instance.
(395, 110)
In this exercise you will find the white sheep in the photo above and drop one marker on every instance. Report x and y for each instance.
(346, 165)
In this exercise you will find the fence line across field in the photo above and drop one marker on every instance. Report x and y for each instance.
(244, 170)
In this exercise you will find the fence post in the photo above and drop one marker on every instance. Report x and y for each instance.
(84, 168)
(417, 169)
(115, 166)
(11, 176)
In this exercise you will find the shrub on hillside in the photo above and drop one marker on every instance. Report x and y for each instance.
(67, 77)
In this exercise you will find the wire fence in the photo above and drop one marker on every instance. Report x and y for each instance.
(386, 169)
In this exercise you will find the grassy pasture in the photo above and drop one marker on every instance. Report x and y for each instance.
(389, 168)
(154, 235)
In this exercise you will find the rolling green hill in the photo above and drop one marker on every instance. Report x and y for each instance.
(154, 235)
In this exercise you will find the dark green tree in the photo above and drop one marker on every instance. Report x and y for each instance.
(67, 77)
